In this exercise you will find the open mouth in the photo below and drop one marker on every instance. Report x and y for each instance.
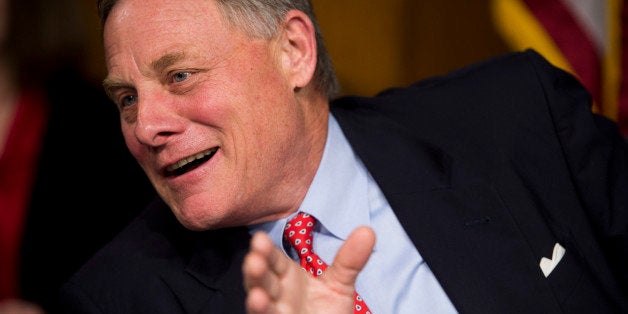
(188, 164)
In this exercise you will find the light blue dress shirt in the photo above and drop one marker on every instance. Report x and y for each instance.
(343, 196)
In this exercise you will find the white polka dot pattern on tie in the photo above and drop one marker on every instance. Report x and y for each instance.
(298, 233)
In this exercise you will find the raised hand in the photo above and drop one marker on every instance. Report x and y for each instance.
(276, 284)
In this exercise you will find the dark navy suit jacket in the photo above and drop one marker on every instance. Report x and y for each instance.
(486, 168)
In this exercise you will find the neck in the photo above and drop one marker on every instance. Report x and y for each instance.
(295, 187)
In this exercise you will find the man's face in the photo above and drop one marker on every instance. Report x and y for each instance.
(209, 113)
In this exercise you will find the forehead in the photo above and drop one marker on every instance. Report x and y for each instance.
(133, 11)
(147, 29)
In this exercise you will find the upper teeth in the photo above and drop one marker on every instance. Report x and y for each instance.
(190, 159)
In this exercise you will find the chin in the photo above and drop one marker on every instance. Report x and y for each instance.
(201, 218)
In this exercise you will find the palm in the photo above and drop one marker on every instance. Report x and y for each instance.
(276, 284)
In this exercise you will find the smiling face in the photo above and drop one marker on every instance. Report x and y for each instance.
(227, 128)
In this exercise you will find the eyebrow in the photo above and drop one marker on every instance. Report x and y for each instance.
(166, 60)
(111, 85)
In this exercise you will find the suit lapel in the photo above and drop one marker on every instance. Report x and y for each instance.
(456, 221)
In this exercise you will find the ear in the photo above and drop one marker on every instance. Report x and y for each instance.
(297, 45)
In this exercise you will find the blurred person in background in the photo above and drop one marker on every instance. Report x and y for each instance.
(67, 181)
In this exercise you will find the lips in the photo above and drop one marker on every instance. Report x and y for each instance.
(189, 163)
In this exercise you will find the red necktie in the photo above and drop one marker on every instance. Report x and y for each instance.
(299, 233)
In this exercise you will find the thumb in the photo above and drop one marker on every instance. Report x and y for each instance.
(352, 256)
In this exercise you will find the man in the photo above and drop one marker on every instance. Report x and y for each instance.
(491, 190)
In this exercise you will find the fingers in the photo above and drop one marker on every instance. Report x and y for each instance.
(276, 284)
(264, 267)
(258, 301)
(257, 277)
(352, 256)
(256, 265)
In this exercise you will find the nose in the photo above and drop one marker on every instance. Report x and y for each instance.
(157, 119)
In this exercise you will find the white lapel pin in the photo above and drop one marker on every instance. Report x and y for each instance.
(548, 265)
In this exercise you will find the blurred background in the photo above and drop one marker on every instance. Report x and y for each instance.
(68, 183)
(382, 43)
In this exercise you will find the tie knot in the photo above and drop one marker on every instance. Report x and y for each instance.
(298, 232)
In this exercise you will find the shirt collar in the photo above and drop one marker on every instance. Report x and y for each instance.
(337, 195)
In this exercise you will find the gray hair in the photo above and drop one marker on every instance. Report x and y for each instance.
(261, 19)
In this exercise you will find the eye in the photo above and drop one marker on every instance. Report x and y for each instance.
(128, 100)
(181, 76)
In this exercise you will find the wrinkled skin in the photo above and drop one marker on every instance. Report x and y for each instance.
(187, 83)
